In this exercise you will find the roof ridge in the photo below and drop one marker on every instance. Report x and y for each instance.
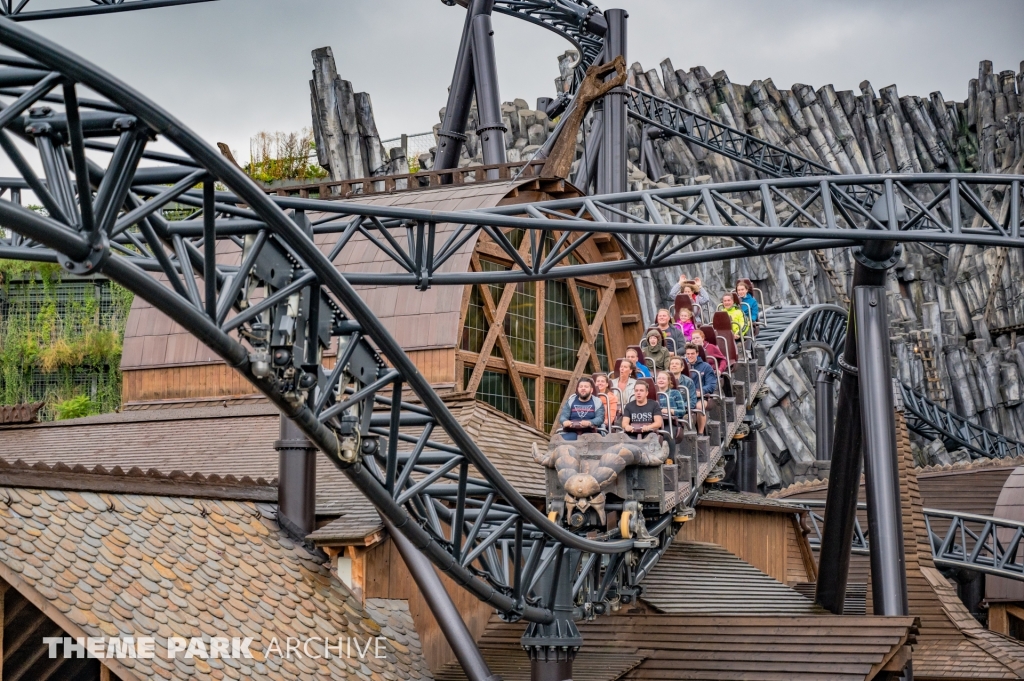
(177, 483)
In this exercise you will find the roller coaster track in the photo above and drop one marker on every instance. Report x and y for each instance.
(792, 329)
(245, 277)
(965, 541)
(706, 132)
(371, 413)
(26, 10)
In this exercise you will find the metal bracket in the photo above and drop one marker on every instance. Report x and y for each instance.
(858, 254)
(852, 370)
(98, 255)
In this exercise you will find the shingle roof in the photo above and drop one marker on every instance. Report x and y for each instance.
(695, 578)
(239, 440)
(135, 565)
(728, 647)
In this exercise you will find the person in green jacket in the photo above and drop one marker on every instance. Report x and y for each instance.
(740, 323)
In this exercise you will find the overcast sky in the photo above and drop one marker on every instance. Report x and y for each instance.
(231, 68)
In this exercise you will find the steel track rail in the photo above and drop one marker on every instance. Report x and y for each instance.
(792, 329)
(958, 540)
(24, 11)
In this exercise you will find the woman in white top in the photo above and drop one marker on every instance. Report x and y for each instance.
(624, 382)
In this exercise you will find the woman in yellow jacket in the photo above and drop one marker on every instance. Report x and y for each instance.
(740, 323)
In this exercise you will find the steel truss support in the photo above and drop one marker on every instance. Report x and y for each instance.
(476, 74)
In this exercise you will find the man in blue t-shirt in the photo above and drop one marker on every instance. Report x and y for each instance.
(582, 413)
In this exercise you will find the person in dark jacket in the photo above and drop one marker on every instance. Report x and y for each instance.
(706, 373)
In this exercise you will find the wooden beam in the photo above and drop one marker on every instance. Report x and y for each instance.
(30, 661)
(24, 634)
(60, 619)
(581, 319)
(810, 567)
(506, 351)
(105, 674)
(998, 620)
(492, 332)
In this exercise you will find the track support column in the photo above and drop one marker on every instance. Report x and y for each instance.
(460, 95)
(552, 647)
(296, 487)
(824, 413)
(442, 607)
(873, 262)
(491, 129)
(611, 174)
(746, 458)
(881, 472)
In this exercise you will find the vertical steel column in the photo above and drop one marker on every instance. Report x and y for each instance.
(442, 607)
(553, 647)
(611, 175)
(746, 462)
(460, 94)
(881, 473)
(296, 487)
(824, 413)
(490, 129)
(844, 472)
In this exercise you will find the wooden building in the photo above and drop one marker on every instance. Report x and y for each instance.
(951, 643)
(518, 347)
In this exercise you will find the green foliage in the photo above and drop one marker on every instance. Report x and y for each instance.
(74, 408)
(60, 340)
(283, 156)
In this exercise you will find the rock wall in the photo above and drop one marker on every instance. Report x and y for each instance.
(955, 311)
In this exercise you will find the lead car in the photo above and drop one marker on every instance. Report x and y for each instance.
(614, 485)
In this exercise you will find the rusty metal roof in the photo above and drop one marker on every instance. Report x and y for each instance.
(107, 565)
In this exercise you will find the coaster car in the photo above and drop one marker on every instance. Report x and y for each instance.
(596, 474)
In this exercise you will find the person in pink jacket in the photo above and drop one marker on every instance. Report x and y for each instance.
(685, 324)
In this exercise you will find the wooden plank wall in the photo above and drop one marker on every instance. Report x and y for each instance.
(217, 380)
(759, 538)
(388, 577)
(183, 382)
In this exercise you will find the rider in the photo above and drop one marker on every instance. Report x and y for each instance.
(641, 416)
(656, 349)
(745, 291)
(670, 330)
(582, 413)
(710, 351)
(736, 316)
(688, 390)
(607, 396)
(641, 369)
